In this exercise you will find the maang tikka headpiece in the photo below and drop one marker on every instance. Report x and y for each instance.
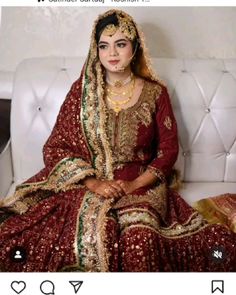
(126, 26)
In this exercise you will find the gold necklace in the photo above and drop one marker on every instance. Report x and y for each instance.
(117, 104)
(123, 93)
(120, 83)
(118, 93)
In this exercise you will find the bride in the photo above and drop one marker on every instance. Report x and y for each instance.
(106, 199)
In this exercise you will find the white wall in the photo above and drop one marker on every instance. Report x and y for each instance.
(201, 32)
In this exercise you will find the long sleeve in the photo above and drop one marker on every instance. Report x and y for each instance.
(166, 137)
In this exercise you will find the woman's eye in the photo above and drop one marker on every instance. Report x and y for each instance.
(102, 46)
(121, 45)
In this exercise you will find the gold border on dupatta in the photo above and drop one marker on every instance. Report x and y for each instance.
(94, 213)
(64, 176)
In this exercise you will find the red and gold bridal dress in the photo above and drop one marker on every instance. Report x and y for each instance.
(64, 227)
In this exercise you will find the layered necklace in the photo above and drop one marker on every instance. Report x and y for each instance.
(118, 92)
(120, 83)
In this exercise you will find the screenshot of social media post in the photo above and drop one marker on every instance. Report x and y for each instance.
(117, 147)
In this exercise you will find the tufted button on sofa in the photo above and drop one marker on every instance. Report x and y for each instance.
(203, 96)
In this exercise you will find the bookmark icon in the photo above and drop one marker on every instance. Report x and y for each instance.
(217, 285)
(76, 285)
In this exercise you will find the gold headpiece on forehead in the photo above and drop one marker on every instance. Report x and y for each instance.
(125, 24)
(110, 30)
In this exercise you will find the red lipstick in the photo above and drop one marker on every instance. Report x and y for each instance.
(113, 62)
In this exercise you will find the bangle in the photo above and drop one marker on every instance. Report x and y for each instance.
(158, 173)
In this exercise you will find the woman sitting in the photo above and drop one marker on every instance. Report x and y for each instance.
(104, 201)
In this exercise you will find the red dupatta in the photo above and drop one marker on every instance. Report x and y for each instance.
(66, 155)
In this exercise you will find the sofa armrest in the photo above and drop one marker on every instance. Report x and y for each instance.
(6, 171)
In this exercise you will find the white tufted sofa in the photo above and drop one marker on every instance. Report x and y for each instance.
(203, 95)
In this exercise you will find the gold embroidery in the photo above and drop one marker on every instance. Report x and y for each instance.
(93, 114)
(93, 250)
(65, 176)
(160, 154)
(77, 235)
(102, 220)
(90, 239)
(158, 173)
(168, 122)
(91, 122)
(143, 217)
(123, 129)
(181, 229)
(140, 154)
(194, 224)
(156, 197)
(200, 227)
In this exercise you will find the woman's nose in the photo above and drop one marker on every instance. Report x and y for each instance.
(113, 51)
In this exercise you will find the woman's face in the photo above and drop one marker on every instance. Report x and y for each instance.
(115, 52)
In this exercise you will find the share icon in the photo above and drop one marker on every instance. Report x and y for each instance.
(76, 285)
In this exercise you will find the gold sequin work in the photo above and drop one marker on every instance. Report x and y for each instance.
(123, 129)
(168, 122)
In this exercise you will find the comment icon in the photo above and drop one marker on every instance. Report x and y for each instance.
(47, 287)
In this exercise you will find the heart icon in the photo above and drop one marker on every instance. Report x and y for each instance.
(18, 287)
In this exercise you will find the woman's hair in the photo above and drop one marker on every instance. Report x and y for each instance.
(102, 23)
(112, 19)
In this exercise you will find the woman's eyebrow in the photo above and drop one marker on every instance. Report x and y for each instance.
(119, 40)
(104, 42)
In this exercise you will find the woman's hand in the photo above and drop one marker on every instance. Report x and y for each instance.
(105, 188)
(128, 186)
(143, 180)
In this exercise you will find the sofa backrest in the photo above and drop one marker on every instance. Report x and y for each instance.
(203, 95)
